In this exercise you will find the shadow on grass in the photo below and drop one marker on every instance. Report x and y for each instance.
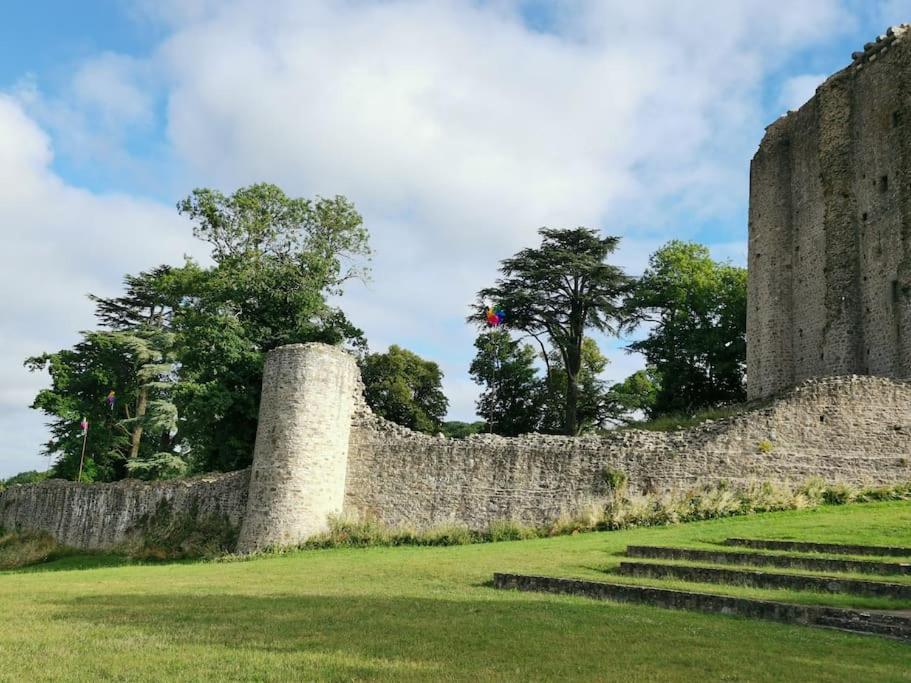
(75, 562)
(508, 636)
(84, 561)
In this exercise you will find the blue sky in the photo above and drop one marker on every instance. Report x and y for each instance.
(457, 128)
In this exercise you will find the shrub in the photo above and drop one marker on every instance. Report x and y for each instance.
(166, 535)
(508, 530)
(838, 494)
(20, 549)
(610, 480)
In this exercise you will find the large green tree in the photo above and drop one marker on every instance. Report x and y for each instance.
(184, 346)
(277, 259)
(404, 388)
(558, 291)
(121, 436)
(512, 398)
(696, 311)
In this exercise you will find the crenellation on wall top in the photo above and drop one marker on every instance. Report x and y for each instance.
(870, 53)
(881, 44)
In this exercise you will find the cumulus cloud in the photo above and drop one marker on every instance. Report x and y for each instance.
(457, 128)
(59, 243)
(797, 90)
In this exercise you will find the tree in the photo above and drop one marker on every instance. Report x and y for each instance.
(560, 290)
(593, 408)
(697, 342)
(512, 399)
(403, 387)
(636, 394)
(456, 429)
(184, 345)
(120, 434)
(277, 259)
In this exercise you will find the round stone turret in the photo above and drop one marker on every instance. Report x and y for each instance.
(300, 459)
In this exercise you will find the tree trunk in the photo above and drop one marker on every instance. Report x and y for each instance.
(572, 401)
(573, 360)
(141, 405)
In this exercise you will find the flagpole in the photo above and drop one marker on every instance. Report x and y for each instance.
(85, 437)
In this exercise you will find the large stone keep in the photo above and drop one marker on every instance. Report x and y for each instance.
(830, 229)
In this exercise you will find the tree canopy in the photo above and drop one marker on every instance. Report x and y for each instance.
(403, 387)
(558, 291)
(184, 346)
(696, 343)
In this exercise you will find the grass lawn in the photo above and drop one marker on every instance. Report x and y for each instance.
(426, 614)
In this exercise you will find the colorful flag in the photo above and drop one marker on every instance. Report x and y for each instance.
(84, 424)
(496, 316)
(111, 398)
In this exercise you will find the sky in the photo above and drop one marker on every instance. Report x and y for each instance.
(457, 128)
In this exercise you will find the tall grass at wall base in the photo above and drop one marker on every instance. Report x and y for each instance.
(25, 548)
(619, 510)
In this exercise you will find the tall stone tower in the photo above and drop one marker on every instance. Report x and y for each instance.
(830, 228)
(301, 453)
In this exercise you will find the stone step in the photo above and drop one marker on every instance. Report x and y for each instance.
(831, 548)
(893, 625)
(759, 579)
(759, 559)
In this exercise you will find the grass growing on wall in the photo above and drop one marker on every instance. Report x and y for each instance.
(674, 422)
(427, 614)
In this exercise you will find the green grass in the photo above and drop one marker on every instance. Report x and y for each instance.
(675, 421)
(425, 613)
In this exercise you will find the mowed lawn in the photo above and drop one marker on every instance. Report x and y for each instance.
(424, 614)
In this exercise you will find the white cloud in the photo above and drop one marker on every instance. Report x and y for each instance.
(59, 243)
(797, 90)
(455, 128)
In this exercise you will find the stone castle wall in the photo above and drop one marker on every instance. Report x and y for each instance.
(855, 430)
(320, 451)
(96, 516)
(830, 229)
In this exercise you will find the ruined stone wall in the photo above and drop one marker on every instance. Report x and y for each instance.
(320, 451)
(830, 229)
(95, 516)
(852, 429)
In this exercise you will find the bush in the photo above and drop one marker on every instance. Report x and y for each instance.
(166, 535)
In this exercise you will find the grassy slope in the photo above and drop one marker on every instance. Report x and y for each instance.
(424, 613)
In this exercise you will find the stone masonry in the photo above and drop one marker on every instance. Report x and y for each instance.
(298, 476)
(830, 229)
(320, 451)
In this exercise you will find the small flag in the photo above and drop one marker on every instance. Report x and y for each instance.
(110, 399)
(84, 424)
(496, 316)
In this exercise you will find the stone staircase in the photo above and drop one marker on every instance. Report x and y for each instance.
(818, 571)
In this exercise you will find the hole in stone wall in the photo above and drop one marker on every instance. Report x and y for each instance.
(884, 183)
(864, 216)
(822, 418)
(896, 119)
